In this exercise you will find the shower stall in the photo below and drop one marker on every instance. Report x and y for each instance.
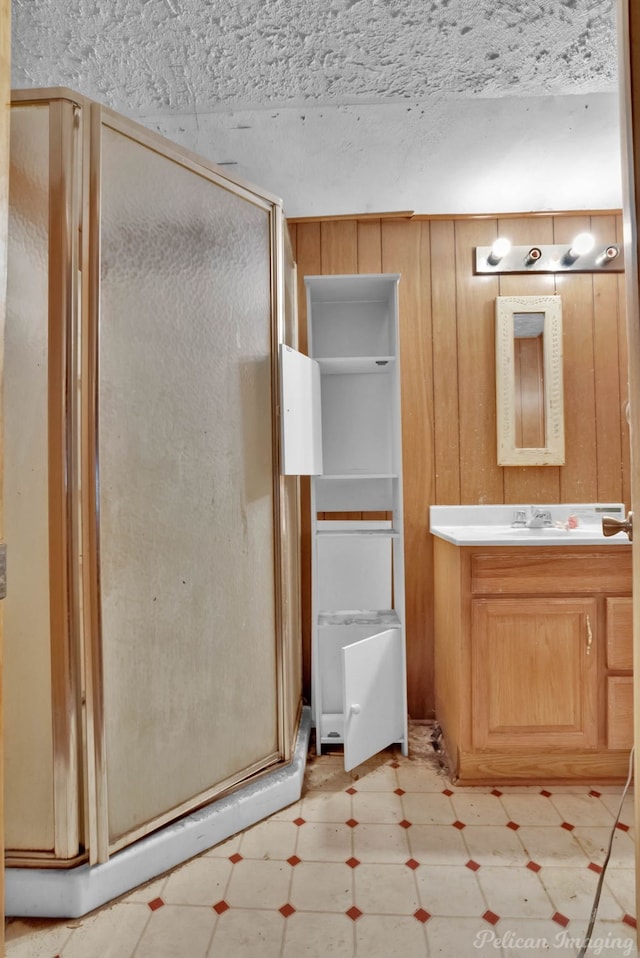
(152, 620)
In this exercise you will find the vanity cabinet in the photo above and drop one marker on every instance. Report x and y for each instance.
(357, 550)
(533, 662)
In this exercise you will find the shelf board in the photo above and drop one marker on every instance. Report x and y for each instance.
(365, 533)
(358, 475)
(336, 365)
(385, 618)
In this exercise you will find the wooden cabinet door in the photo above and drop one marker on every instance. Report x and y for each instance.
(534, 673)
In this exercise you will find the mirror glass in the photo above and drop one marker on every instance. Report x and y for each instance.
(530, 413)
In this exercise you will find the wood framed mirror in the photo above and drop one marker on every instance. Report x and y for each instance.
(529, 389)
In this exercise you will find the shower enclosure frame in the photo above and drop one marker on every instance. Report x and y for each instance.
(80, 795)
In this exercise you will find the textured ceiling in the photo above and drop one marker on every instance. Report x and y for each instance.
(193, 59)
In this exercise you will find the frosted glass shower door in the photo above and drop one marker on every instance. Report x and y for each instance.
(185, 458)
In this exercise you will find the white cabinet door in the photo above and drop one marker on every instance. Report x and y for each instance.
(373, 676)
(301, 432)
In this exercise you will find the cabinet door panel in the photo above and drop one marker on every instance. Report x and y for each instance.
(301, 430)
(620, 712)
(534, 673)
(373, 701)
(619, 632)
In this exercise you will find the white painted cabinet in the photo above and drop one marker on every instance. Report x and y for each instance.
(358, 640)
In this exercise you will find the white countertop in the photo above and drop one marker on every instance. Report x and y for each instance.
(491, 525)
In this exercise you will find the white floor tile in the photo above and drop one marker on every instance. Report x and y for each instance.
(437, 845)
(381, 843)
(386, 936)
(450, 890)
(202, 881)
(177, 930)
(245, 933)
(514, 892)
(326, 886)
(572, 891)
(109, 933)
(270, 840)
(325, 842)
(462, 937)
(428, 808)
(318, 935)
(259, 884)
(494, 845)
(385, 890)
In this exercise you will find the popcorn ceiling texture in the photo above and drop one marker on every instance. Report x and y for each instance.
(147, 56)
(345, 106)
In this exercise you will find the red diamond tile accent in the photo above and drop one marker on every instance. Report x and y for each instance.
(595, 794)
(594, 868)
(412, 863)
(474, 866)
(351, 791)
(286, 910)
(568, 827)
(352, 862)
(630, 920)
(622, 827)
(395, 764)
(155, 904)
(220, 907)
(294, 860)
(447, 791)
(235, 858)
(513, 826)
(560, 919)
(459, 825)
(404, 823)
(353, 913)
(422, 915)
(491, 917)
(533, 866)
(496, 792)
(351, 823)
(298, 821)
(398, 791)
(545, 793)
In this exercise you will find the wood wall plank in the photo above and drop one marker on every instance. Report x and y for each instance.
(405, 250)
(579, 481)
(447, 328)
(481, 479)
(608, 399)
(339, 246)
(446, 448)
(369, 237)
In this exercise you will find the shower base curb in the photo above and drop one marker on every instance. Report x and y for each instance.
(56, 893)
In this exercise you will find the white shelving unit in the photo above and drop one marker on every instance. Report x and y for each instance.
(358, 640)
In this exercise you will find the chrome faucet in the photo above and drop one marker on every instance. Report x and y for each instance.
(533, 518)
(539, 518)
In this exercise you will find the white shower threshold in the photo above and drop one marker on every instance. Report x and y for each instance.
(58, 893)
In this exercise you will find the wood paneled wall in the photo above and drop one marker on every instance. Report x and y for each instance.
(447, 342)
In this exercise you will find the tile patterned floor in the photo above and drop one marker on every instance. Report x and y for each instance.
(389, 860)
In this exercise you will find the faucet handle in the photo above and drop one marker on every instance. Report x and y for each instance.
(519, 518)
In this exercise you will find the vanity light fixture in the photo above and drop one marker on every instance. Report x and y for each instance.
(582, 256)
(499, 250)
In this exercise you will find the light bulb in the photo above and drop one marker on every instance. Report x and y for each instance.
(582, 243)
(500, 248)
